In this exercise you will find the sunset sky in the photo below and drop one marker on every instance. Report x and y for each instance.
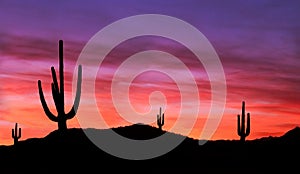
(257, 43)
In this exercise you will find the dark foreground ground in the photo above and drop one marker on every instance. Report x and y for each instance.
(73, 152)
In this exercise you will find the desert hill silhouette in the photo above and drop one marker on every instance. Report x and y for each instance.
(72, 151)
(292, 136)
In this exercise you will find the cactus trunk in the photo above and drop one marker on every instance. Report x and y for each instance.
(62, 124)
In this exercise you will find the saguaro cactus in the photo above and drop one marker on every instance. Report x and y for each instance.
(15, 135)
(160, 119)
(242, 131)
(58, 94)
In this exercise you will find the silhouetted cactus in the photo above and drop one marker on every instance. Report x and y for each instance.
(15, 135)
(160, 119)
(58, 94)
(241, 130)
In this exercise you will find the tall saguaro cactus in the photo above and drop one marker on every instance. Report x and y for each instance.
(160, 119)
(15, 135)
(59, 96)
(242, 131)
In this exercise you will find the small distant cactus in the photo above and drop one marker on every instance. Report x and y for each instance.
(242, 131)
(15, 135)
(160, 119)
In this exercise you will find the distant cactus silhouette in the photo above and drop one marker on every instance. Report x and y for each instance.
(241, 130)
(15, 135)
(58, 94)
(160, 119)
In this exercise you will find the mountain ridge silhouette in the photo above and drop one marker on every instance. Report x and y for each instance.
(128, 130)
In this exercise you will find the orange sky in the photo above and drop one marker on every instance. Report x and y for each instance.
(21, 104)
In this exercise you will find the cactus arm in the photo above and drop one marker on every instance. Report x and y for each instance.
(239, 125)
(55, 96)
(74, 108)
(248, 124)
(54, 79)
(55, 90)
(163, 119)
(44, 104)
(19, 136)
